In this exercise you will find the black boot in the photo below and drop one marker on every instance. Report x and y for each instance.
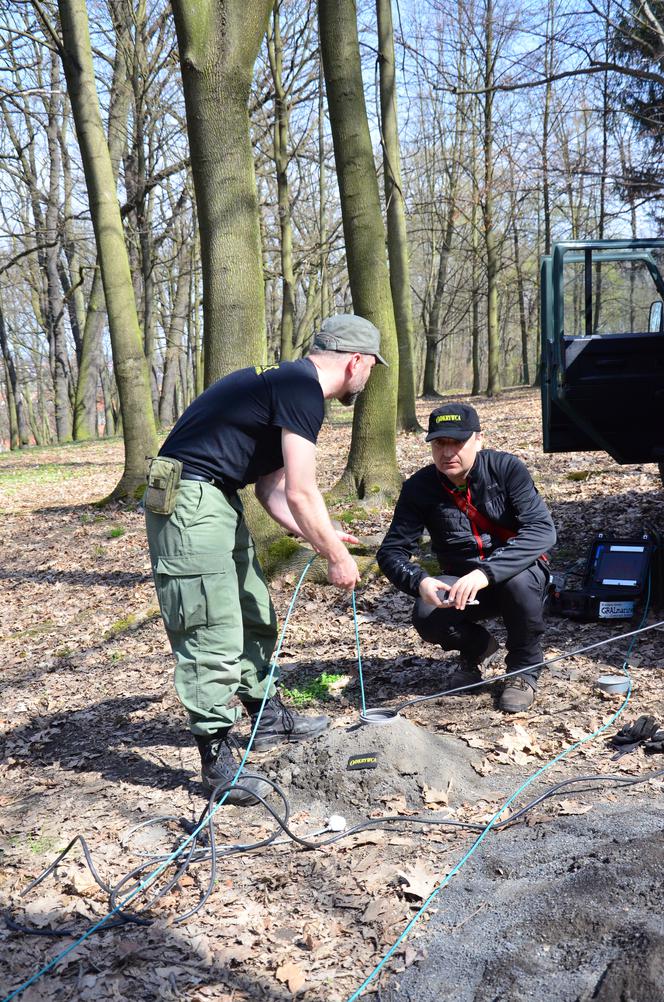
(278, 723)
(219, 767)
(469, 669)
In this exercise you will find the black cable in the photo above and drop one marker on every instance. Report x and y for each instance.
(213, 853)
(52, 866)
(523, 671)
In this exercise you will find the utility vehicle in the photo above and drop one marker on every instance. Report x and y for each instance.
(602, 378)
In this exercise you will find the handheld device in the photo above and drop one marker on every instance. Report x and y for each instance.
(472, 601)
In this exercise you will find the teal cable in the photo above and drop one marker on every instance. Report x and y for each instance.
(478, 841)
(177, 852)
(359, 655)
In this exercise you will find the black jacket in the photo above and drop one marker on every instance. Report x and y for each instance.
(502, 489)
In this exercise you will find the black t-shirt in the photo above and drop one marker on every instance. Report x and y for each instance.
(232, 431)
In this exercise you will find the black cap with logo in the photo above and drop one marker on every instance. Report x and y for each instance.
(453, 421)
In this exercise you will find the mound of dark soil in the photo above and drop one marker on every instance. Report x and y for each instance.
(574, 905)
(414, 765)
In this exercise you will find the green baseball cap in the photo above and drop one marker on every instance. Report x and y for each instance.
(348, 332)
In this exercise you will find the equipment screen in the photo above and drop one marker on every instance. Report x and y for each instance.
(620, 565)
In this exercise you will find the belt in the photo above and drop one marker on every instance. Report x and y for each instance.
(208, 480)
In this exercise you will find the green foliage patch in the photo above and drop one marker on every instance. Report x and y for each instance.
(278, 554)
(120, 626)
(317, 689)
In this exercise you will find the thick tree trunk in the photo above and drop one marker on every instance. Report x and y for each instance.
(219, 41)
(372, 465)
(129, 363)
(85, 407)
(397, 232)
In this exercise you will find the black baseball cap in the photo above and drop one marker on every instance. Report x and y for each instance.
(453, 421)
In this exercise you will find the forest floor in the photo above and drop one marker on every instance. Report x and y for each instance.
(95, 744)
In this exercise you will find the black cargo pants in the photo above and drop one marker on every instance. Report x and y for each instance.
(519, 601)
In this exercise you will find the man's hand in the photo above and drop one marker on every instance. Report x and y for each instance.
(465, 589)
(430, 589)
(344, 573)
(347, 537)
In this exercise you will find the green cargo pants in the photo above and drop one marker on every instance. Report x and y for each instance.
(214, 602)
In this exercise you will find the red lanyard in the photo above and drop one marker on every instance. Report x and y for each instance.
(478, 521)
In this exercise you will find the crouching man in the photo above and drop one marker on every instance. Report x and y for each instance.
(489, 531)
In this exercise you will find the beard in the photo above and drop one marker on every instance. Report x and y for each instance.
(349, 399)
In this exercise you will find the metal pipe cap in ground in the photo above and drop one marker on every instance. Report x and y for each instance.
(379, 715)
(615, 684)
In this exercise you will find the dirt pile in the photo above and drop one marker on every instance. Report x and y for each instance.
(572, 905)
(413, 765)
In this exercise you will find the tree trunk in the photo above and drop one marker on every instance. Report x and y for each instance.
(433, 333)
(525, 370)
(372, 465)
(107, 393)
(548, 94)
(71, 277)
(397, 233)
(218, 43)
(280, 142)
(475, 275)
(131, 374)
(431, 367)
(324, 284)
(85, 407)
(493, 335)
(56, 304)
(11, 385)
(175, 337)
(597, 295)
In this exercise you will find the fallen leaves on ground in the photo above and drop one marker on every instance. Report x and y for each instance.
(95, 740)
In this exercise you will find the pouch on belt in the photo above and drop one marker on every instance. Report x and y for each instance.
(163, 482)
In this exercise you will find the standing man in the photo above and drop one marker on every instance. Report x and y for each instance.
(489, 530)
(255, 426)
